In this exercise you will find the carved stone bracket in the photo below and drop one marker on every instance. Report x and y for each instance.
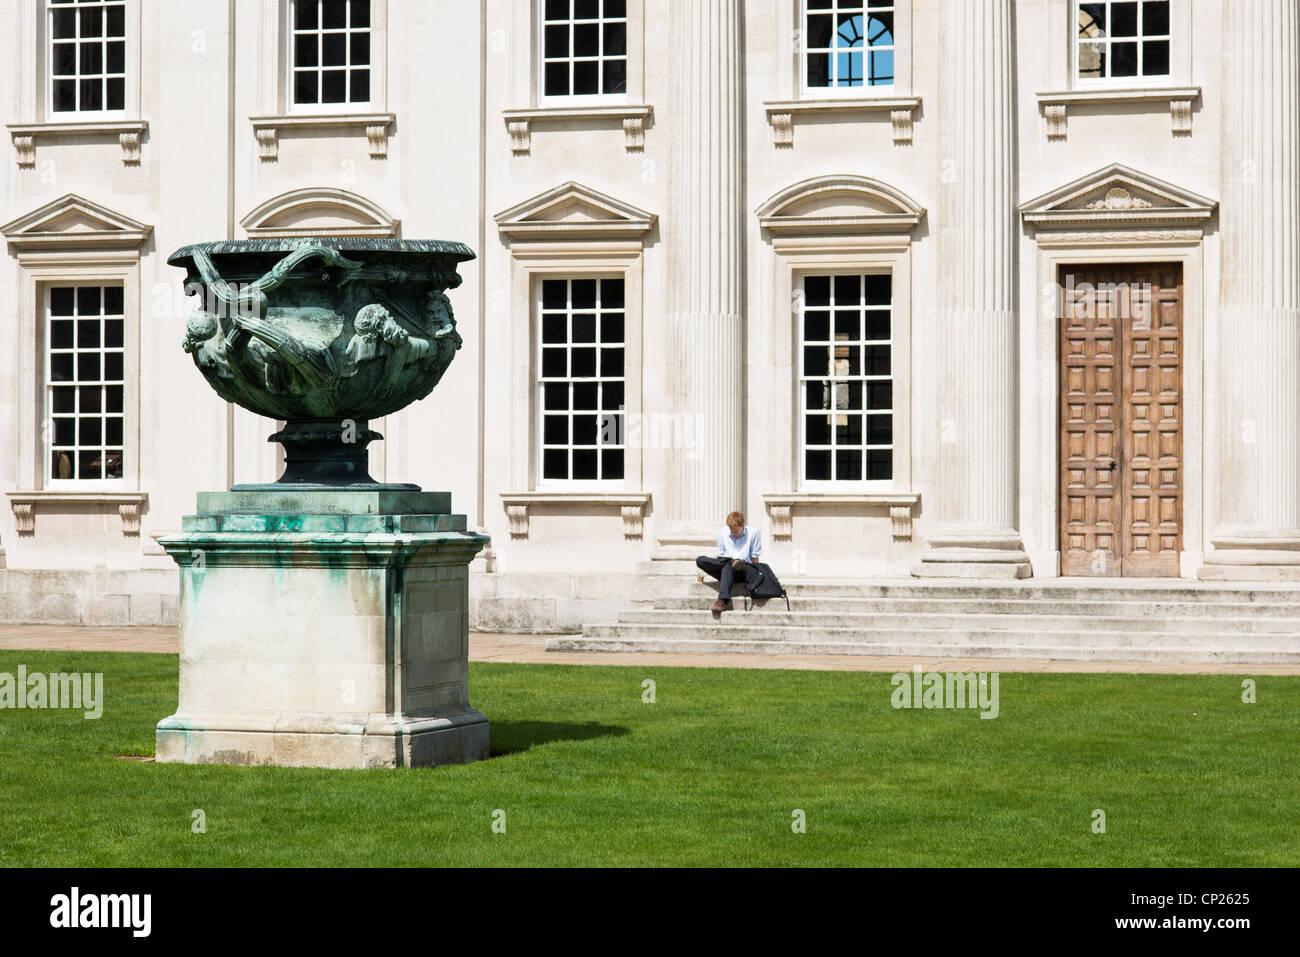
(25, 144)
(128, 135)
(633, 520)
(518, 515)
(632, 508)
(519, 123)
(782, 128)
(130, 143)
(129, 505)
(901, 517)
(780, 509)
(1055, 114)
(782, 524)
(268, 143)
(902, 121)
(129, 512)
(1055, 105)
(781, 114)
(268, 130)
(24, 517)
(521, 140)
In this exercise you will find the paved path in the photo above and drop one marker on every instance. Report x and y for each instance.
(532, 649)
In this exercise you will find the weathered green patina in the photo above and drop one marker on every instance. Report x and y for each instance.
(325, 334)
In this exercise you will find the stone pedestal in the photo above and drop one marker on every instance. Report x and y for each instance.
(324, 628)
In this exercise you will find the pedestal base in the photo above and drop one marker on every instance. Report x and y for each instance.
(324, 629)
(1253, 556)
(343, 741)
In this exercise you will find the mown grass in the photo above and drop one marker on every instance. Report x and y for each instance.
(710, 774)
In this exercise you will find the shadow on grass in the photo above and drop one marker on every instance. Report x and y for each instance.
(512, 737)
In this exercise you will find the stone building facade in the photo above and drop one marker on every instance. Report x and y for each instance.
(978, 288)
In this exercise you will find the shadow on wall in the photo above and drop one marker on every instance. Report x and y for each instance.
(512, 737)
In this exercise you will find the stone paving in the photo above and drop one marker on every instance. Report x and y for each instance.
(531, 649)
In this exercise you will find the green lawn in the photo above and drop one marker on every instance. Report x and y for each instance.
(710, 774)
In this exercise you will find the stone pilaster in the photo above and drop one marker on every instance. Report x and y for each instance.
(704, 233)
(976, 500)
(1258, 440)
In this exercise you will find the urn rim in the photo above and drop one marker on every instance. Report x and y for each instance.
(346, 244)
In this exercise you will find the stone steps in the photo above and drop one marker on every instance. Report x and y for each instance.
(913, 644)
(1073, 619)
(995, 606)
(958, 621)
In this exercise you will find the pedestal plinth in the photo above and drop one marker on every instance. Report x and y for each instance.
(324, 628)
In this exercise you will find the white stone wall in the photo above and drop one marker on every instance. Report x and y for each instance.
(453, 71)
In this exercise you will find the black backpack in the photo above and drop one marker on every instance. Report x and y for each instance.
(763, 585)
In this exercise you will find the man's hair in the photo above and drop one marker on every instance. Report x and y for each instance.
(736, 518)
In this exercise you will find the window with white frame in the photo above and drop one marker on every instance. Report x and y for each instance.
(1122, 40)
(84, 382)
(584, 48)
(330, 56)
(848, 44)
(87, 51)
(580, 381)
(846, 382)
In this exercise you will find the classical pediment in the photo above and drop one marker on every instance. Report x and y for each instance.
(574, 211)
(1120, 197)
(319, 211)
(840, 204)
(72, 220)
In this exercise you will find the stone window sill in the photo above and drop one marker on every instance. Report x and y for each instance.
(632, 506)
(781, 113)
(128, 134)
(780, 507)
(128, 506)
(1055, 104)
(267, 129)
(519, 123)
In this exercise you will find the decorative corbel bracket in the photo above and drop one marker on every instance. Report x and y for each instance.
(129, 505)
(632, 508)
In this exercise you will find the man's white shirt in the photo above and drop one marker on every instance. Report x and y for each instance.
(747, 547)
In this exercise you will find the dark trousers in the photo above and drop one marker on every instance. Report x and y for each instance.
(721, 569)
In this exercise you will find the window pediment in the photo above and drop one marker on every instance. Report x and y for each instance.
(574, 211)
(1120, 197)
(72, 220)
(319, 210)
(843, 204)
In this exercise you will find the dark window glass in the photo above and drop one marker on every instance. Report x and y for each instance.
(61, 334)
(584, 464)
(555, 464)
(360, 13)
(553, 329)
(816, 324)
(848, 465)
(88, 367)
(1155, 18)
(586, 77)
(1155, 58)
(611, 463)
(304, 87)
(557, 79)
(817, 464)
(113, 366)
(92, 94)
(334, 86)
(113, 329)
(817, 291)
(89, 397)
(305, 48)
(1123, 60)
(615, 72)
(555, 294)
(584, 327)
(360, 86)
(87, 333)
(584, 294)
(334, 14)
(64, 399)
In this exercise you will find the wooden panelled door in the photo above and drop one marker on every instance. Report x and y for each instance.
(1121, 419)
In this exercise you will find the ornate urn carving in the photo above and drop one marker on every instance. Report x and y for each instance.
(325, 334)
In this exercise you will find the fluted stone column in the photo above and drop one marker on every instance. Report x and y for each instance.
(975, 501)
(1258, 440)
(705, 239)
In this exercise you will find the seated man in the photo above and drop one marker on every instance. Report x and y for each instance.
(738, 545)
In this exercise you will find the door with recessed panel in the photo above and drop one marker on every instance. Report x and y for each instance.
(1121, 435)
